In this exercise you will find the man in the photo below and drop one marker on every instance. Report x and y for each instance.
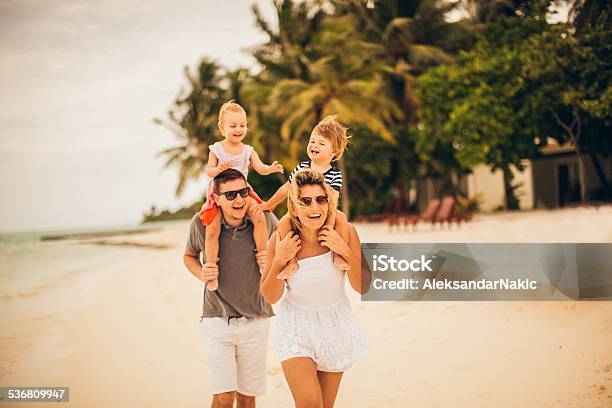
(235, 316)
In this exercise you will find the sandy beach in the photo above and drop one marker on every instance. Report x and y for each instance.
(127, 334)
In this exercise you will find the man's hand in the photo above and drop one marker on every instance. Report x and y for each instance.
(210, 272)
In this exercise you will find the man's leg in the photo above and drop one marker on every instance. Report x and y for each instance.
(244, 401)
(251, 356)
(224, 400)
(220, 347)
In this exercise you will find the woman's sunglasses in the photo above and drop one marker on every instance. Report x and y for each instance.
(307, 201)
(231, 195)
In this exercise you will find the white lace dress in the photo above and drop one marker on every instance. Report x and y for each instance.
(314, 317)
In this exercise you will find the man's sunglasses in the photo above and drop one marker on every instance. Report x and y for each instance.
(321, 200)
(231, 195)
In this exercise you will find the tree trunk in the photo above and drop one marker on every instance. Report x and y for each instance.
(581, 176)
(454, 180)
(346, 204)
(575, 138)
(512, 203)
(402, 198)
(603, 180)
(417, 199)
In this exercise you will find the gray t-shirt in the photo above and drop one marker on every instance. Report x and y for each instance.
(238, 292)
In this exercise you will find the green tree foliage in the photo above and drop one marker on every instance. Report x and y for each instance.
(312, 74)
(526, 80)
(574, 70)
(473, 110)
(423, 96)
(414, 36)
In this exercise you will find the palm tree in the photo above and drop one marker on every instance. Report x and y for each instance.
(286, 55)
(415, 36)
(484, 12)
(288, 51)
(344, 81)
(193, 120)
(304, 77)
(584, 13)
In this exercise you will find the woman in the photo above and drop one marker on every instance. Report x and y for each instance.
(315, 330)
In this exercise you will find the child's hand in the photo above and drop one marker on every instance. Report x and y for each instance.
(224, 166)
(276, 167)
(259, 209)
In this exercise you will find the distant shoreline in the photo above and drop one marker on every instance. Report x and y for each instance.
(89, 235)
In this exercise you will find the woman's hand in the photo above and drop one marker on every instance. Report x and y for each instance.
(329, 238)
(287, 248)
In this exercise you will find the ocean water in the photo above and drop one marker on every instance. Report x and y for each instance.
(44, 283)
(30, 267)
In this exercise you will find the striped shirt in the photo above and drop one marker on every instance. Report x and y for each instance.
(333, 176)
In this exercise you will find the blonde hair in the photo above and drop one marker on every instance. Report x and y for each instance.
(302, 178)
(229, 106)
(333, 131)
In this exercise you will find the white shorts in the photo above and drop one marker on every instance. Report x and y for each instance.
(237, 354)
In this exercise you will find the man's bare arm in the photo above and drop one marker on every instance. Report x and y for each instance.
(192, 262)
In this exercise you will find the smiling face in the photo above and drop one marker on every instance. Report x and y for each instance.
(312, 216)
(234, 126)
(233, 210)
(320, 149)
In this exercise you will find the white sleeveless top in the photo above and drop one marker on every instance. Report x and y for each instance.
(239, 162)
(315, 319)
(316, 284)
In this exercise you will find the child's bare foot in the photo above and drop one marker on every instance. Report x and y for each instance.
(288, 270)
(340, 263)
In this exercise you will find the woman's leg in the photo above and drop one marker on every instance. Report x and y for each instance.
(260, 228)
(329, 383)
(284, 228)
(211, 245)
(301, 375)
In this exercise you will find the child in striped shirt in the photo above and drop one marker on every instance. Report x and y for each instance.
(327, 143)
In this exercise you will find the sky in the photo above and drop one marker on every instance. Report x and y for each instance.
(81, 83)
